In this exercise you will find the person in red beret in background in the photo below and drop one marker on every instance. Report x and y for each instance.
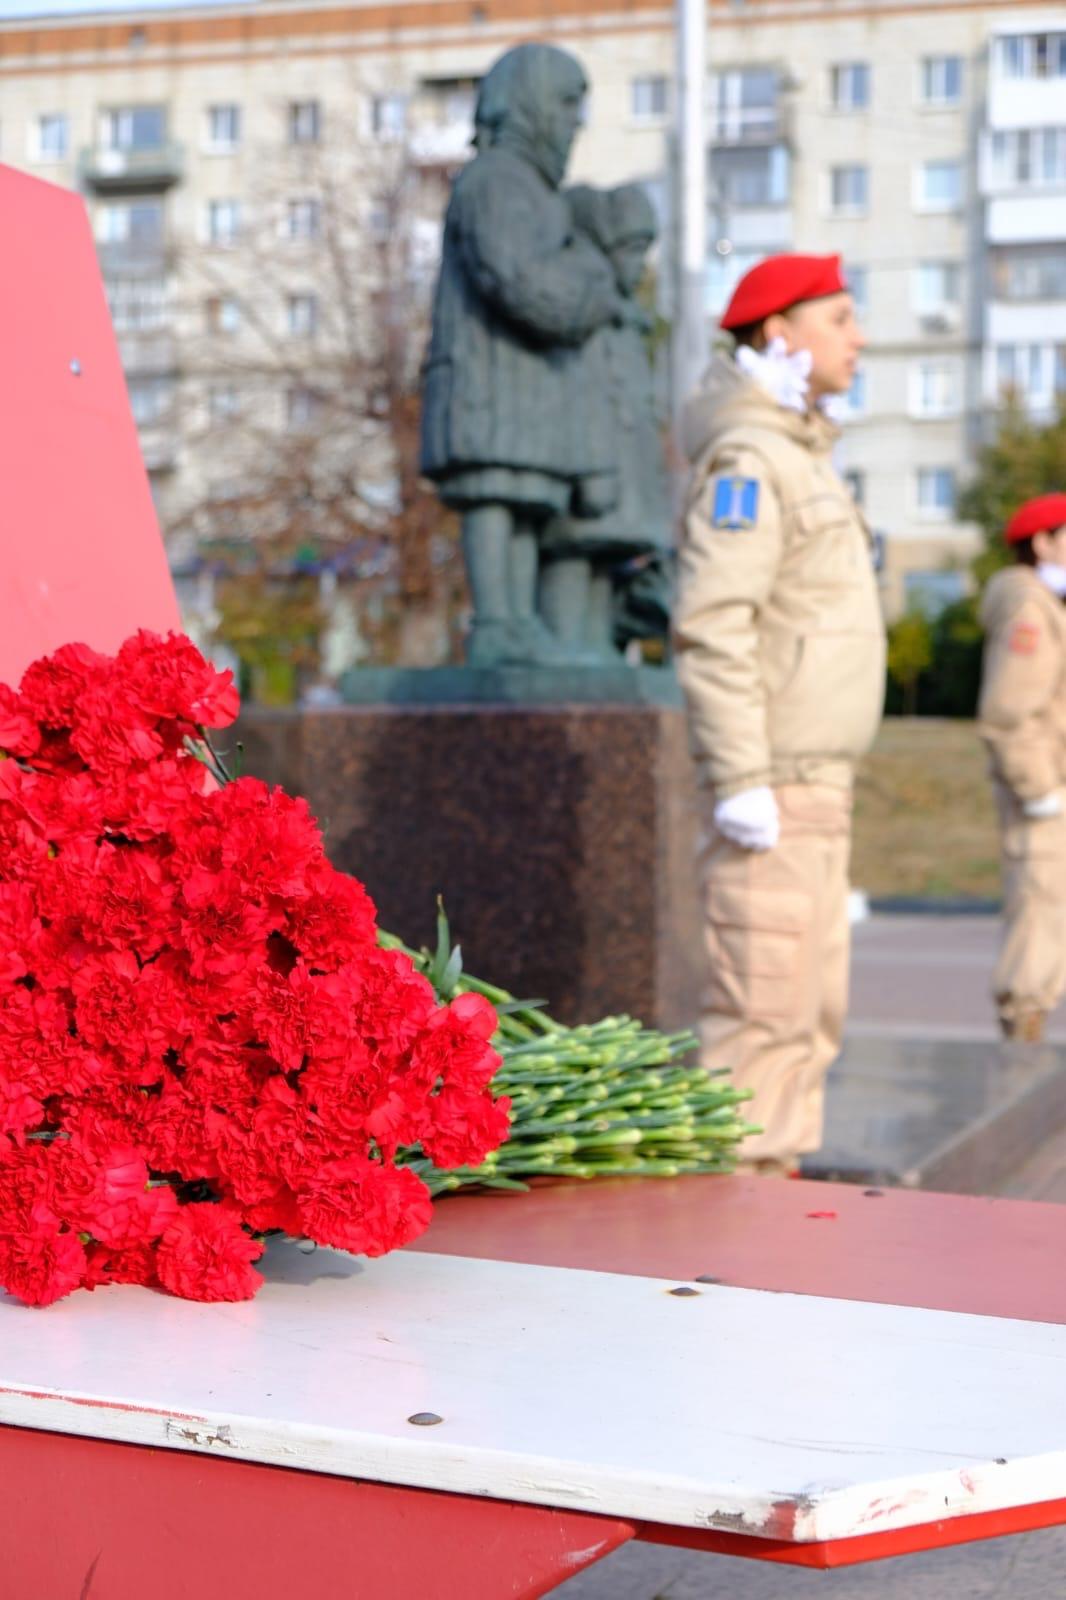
(780, 649)
(1022, 719)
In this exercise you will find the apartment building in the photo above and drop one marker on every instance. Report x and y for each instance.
(927, 143)
(1023, 185)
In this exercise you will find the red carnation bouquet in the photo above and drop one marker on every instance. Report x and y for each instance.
(201, 1040)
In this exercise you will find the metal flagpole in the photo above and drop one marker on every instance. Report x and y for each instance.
(690, 331)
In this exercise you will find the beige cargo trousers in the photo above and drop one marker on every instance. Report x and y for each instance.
(1030, 973)
(778, 943)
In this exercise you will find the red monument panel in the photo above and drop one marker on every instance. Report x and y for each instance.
(81, 556)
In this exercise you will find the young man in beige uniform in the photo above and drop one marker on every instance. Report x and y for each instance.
(781, 655)
(1023, 722)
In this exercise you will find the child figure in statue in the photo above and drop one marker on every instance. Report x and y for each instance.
(519, 292)
(605, 579)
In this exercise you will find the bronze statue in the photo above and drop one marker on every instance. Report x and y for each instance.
(514, 432)
(606, 579)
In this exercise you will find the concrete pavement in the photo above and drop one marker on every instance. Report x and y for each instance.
(1030, 1567)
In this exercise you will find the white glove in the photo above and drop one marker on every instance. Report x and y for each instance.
(1048, 805)
(749, 819)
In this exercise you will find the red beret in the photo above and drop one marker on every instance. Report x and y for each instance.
(780, 282)
(1042, 515)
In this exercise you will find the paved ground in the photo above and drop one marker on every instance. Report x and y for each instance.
(913, 975)
(1031, 1567)
(927, 975)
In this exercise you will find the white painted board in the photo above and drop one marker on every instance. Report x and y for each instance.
(788, 1416)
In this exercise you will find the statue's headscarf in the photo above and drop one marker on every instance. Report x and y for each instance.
(514, 95)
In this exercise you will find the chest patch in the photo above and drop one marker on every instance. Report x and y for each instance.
(1024, 638)
(736, 503)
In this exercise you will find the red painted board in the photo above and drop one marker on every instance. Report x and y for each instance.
(992, 1257)
(82, 554)
(89, 1519)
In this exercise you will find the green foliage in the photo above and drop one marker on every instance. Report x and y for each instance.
(934, 663)
(910, 653)
(1024, 459)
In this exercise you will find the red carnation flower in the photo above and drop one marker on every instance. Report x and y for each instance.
(465, 1127)
(19, 733)
(205, 1254)
(104, 1265)
(191, 994)
(365, 1207)
(42, 1267)
(52, 688)
(169, 678)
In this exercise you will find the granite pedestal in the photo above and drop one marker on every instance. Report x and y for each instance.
(561, 837)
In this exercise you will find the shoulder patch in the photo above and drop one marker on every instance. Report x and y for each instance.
(736, 503)
(1024, 638)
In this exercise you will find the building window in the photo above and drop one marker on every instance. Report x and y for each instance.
(855, 479)
(223, 402)
(138, 222)
(223, 129)
(305, 122)
(649, 98)
(849, 86)
(222, 314)
(849, 190)
(223, 221)
(941, 80)
(936, 492)
(302, 315)
(1029, 158)
(134, 128)
(1036, 273)
(138, 305)
(150, 399)
(1035, 372)
(755, 176)
(303, 219)
(940, 185)
(1033, 55)
(301, 407)
(388, 117)
(745, 103)
(937, 288)
(858, 279)
(934, 389)
(53, 137)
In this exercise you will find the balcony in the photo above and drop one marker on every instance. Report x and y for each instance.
(436, 144)
(1025, 219)
(119, 171)
(146, 353)
(740, 125)
(133, 258)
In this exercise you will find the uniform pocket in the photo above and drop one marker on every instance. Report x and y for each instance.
(755, 939)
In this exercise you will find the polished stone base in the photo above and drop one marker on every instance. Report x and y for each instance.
(512, 686)
(561, 837)
(950, 1114)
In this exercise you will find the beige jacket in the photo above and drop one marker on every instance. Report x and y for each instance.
(779, 636)
(1022, 712)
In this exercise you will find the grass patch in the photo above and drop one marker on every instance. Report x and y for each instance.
(924, 816)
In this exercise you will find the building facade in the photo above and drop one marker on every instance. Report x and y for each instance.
(241, 166)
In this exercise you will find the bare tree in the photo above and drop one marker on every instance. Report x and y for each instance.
(305, 321)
